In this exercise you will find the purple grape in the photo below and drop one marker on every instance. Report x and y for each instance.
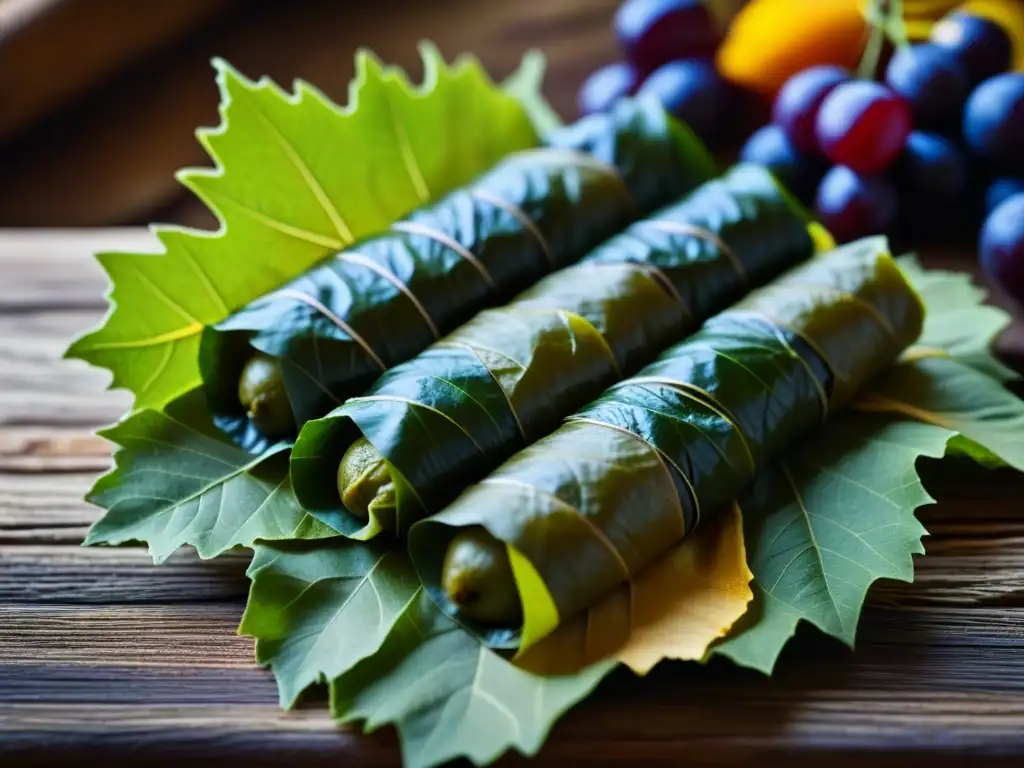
(605, 86)
(932, 168)
(1000, 189)
(796, 106)
(862, 125)
(1002, 245)
(852, 206)
(694, 92)
(655, 32)
(770, 147)
(980, 44)
(932, 82)
(994, 120)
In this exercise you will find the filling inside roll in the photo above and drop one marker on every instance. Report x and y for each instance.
(261, 391)
(477, 574)
(477, 577)
(364, 482)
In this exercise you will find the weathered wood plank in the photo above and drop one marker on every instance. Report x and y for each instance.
(56, 270)
(33, 573)
(45, 565)
(196, 635)
(935, 647)
(52, 449)
(960, 672)
(45, 501)
(37, 387)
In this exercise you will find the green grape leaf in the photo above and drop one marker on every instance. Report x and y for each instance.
(947, 396)
(525, 84)
(177, 480)
(824, 524)
(317, 608)
(984, 419)
(819, 529)
(450, 696)
(288, 190)
(960, 325)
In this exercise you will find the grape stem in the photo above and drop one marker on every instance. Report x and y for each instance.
(886, 20)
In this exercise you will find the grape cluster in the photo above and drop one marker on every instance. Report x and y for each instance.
(669, 48)
(914, 154)
(911, 153)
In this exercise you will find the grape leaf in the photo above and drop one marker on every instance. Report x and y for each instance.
(673, 609)
(971, 405)
(177, 480)
(960, 325)
(450, 696)
(525, 84)
(288, 190)
(819, 529)
(824, 524)
(950, 384)
(316, 608)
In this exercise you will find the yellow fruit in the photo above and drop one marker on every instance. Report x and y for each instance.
(771, 40)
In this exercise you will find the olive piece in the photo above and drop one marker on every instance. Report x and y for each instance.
(262, 393)
(477, 577)
(364, 482)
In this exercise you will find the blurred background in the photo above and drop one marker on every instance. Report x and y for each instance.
(99, 99)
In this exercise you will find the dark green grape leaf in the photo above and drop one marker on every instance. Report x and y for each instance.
(606, 494)
(317, 608)
(178, 481)
(450, 696)
(821, 526)
(947, 395)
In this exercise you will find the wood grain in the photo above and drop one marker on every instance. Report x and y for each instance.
(106, 659)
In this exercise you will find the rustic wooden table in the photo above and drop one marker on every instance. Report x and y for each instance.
(106, 659)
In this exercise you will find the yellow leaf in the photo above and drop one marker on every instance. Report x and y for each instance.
(673, 609)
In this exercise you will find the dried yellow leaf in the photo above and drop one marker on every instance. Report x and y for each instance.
(674, 609)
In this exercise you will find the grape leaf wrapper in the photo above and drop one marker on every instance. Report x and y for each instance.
(838, 513)
(508, 377)
(378, 302)
(585, 508)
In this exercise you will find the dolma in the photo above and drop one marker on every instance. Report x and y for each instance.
(432, 425)
(294, 354)
(628, 476)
